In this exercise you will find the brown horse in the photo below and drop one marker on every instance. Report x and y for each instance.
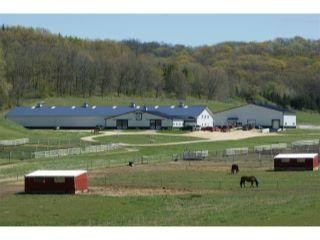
(251, 179)
(234, 168)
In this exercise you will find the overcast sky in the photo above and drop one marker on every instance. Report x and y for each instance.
(187, 29)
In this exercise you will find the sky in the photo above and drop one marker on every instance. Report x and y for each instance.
(186, 29)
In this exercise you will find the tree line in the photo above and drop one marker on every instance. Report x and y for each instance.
(35, 63)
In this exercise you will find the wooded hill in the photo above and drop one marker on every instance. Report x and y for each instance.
(36, 63)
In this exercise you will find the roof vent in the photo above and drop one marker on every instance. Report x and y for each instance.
(156, 107)
(39, 105)
(33, 107)
(53, 107)
(132, 104)
(138, 107)
(172, 106)
(181, 104)
(85, 105)
(73, 107)
(185, 106)
(94, 107)
(114, 107)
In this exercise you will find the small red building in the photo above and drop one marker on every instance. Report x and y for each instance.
(296, 161)
(56, 181)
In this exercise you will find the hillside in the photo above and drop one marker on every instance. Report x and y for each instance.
(37, 64)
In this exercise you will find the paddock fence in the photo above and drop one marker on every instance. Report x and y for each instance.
(75, 151)
(14, 142)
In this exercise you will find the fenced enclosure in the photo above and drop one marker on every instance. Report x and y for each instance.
(195, 155)
(75, 151)
(236, 151)
(271, 148)
(14, 142)
(310, 145)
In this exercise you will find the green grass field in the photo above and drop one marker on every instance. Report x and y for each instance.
(211, 197)
(144, 139)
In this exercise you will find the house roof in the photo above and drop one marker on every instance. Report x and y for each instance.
(180, 112)
(296, 155)
(56, 173)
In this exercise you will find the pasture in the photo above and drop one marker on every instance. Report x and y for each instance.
(175, 193)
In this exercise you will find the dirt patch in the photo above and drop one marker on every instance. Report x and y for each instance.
(205, 135)
(12, 188)
(130, 191)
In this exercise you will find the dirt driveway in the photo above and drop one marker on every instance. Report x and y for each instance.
(206, 135)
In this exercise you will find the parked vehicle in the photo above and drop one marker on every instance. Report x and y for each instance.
(207, 129)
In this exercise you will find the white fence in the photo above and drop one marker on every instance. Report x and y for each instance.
(195, 155)
(75, 151)
(309, 142)
(14, 142)
(236, 151)
(270, 147)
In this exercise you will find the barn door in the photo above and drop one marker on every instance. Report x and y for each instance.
(275, 123)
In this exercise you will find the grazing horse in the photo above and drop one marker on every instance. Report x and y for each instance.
(234, 168)
(251, 179)
(130, 163)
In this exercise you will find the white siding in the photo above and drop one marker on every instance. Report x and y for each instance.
(289, 120)
(261, 115)
(205, 119)
(177, 123)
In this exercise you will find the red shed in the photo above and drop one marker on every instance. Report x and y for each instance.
(56, 181)
(296, 161)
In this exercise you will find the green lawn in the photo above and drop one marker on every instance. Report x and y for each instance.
(308, 117)
(215, 198)
(144, 139)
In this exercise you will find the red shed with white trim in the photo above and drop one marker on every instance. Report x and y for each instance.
(56, 181)
(296, 161)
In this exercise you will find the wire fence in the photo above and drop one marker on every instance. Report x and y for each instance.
(14, 142)
(75, 151)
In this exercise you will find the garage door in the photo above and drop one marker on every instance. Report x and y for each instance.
(275, 124)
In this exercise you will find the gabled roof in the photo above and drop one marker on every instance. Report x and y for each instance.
(180, 112)
(275, 107)
(269, 106)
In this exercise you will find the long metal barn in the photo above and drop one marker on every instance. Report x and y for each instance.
(269, 116)
(117, 117)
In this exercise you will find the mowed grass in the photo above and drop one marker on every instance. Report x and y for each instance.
(215, 198)
(144, 139)
(308, 117)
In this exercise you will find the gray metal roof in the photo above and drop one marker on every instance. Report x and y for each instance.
(181, 112)
(276, 108)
